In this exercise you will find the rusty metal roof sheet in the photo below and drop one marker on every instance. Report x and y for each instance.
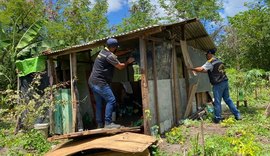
(195, 34)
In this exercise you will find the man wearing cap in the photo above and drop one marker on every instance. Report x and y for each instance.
(100, 79)
(216, 72)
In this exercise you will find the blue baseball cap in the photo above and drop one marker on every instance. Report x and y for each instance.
(112, 42)
(212, 51)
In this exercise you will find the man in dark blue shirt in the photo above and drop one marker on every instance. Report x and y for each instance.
(216, 72)
(101, 78)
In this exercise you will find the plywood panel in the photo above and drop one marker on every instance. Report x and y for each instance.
(125, 142)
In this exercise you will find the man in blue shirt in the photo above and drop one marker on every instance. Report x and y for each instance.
(216, 72)
(101, 78)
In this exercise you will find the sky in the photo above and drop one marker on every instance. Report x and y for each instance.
(118, 9)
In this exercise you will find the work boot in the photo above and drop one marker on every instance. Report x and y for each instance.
(238, 117)
(112, 125)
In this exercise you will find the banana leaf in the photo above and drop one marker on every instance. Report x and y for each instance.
(30, 35)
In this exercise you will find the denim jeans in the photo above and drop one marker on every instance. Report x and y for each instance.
(103, 93)
(221, 90)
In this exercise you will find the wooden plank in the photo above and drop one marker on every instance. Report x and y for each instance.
(94, 132)
(125, 143)
(185, 53)
(155, 84)
(144, 85)
(191, 96)
(176, 84)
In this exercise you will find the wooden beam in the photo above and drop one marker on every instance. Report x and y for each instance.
(155, 39)
(144, 85)
(73, 77)
(176, 83)
(155, 84)
(173, 86)
(50, 70)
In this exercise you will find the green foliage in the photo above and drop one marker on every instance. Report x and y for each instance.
(228, 122)
(24, 143)
(77, 21)
(218, 145)
(176, 135)
(205, 10)
(142, 14)
(244, 143)
(31, 104)
(247, 47)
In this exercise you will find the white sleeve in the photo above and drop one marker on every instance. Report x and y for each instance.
(208, 66)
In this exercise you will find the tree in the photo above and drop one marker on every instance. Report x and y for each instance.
(20, 23)
(207, 11)
(142, 14)
(252, 29)
(77, 21)
(230, 49)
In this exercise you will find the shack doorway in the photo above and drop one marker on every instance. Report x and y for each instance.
(126, 86)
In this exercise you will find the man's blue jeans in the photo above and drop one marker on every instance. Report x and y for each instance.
(103, 93)
(220, 91)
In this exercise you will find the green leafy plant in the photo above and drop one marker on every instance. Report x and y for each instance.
(176, 135)
(228, 122)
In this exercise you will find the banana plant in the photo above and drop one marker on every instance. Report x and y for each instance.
(10, 49)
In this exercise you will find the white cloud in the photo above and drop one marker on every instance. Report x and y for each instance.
(232, 7)
(116, 5)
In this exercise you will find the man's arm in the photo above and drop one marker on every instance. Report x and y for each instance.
(121, 66)
(199, 69)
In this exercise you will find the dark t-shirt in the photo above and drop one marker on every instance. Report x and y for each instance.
(103, 68)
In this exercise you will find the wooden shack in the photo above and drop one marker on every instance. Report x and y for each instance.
(165, 94)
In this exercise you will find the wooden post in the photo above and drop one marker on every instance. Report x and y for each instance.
(176, 84)
(173, 85)
(73, 76)
(50, 71)
(155, 84)
(144, 84)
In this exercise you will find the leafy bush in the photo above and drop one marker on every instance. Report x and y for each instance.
(24, 143)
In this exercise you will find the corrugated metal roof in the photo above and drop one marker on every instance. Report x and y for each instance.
(195, 34)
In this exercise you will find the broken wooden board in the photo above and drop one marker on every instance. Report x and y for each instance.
(124, 143)
(191, 96)
(95, 131)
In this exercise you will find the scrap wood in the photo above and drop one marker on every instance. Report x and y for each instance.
(124, 142)
(95, 131)
(198, 114)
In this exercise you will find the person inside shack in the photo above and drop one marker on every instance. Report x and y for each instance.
(100, 79)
